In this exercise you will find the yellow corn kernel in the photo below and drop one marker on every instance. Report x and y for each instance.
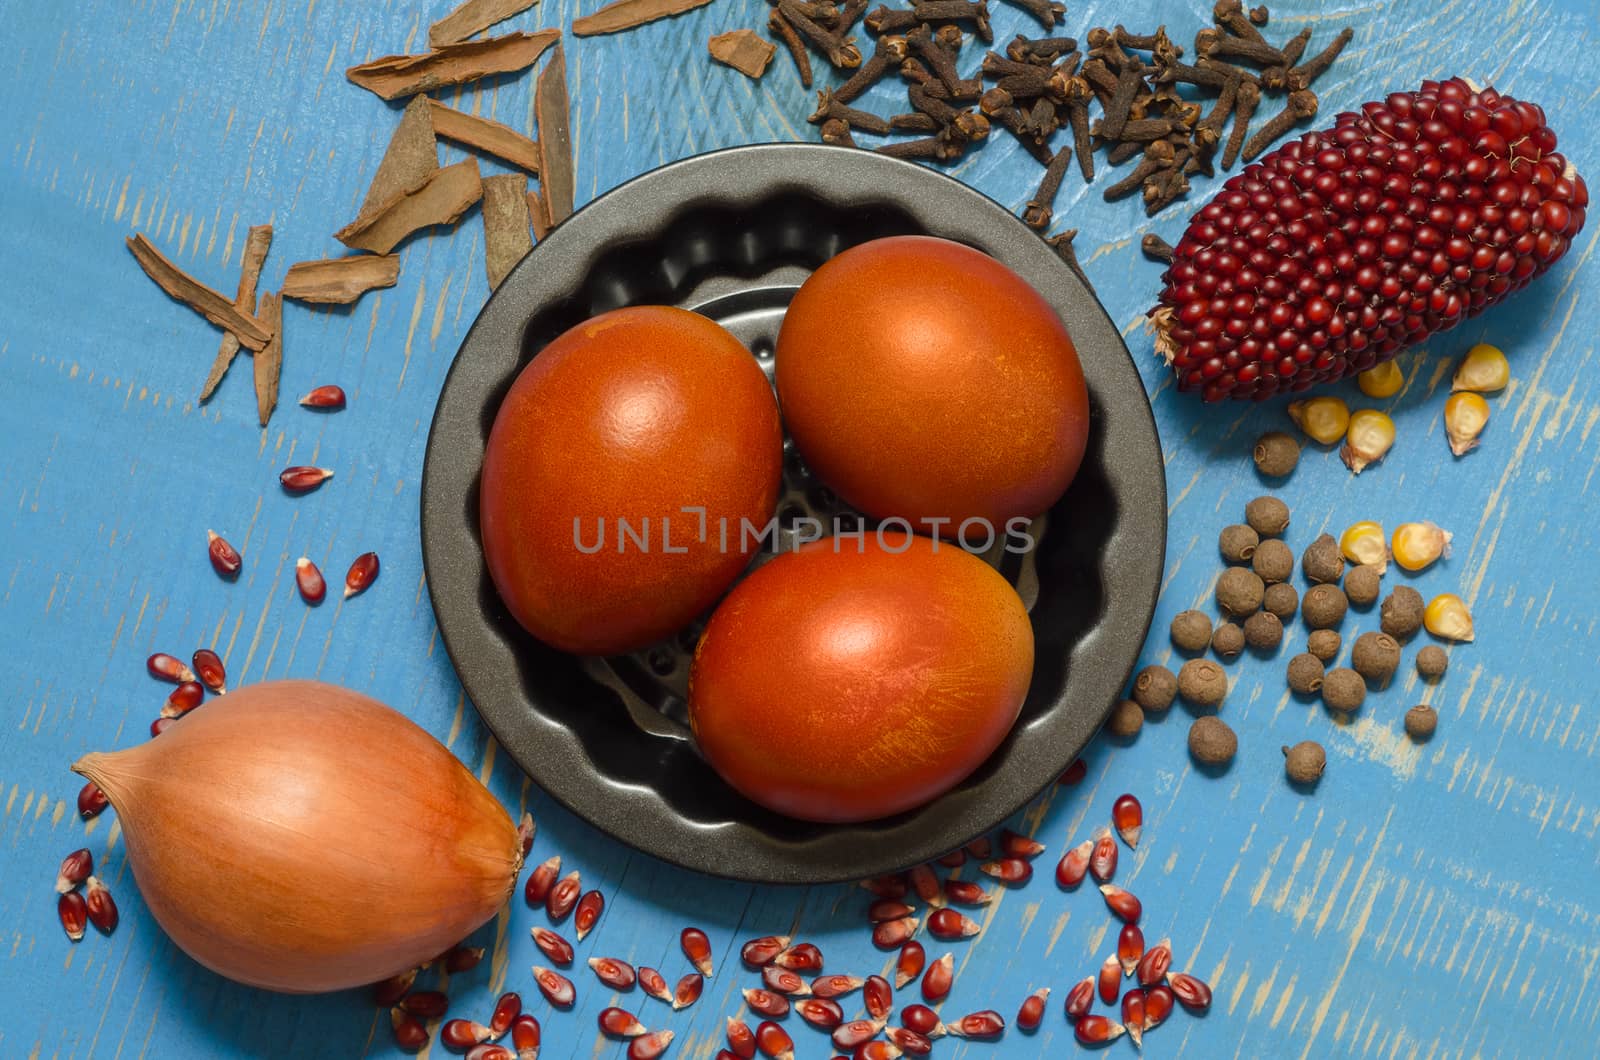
(1416, 545)
(1447, 616)
(1484, 369)
(1370, 435)
(1363, 543)
(1381, 381)
(1466, 414)
(1324, 419)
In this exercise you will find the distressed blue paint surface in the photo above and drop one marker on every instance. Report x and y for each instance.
(1423, 902)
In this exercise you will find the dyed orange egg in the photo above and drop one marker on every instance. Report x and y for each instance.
(925, 380)
(621, 453)
(847, 680)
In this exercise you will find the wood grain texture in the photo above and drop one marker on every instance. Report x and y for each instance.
(1433, 901)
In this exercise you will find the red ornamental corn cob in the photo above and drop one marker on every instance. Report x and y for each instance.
(1336, 251)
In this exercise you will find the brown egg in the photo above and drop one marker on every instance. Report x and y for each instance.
(620, 454)
(837, 684)
(923, 379)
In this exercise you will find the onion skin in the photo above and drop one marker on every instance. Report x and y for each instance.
(300, 837)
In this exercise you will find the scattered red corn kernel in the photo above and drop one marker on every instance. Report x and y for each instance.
(1008, 870)
(164, 667)
(161, 725)
(587, 912)
(1194, 993)
(309, 580)
(75, 868)
(967, 892)
(553, 945)
(774, 1041)
(183, 699)
(557, 988)
(326, 397)
(923, 1020)
(886, 909)
(767, 1003)
(950, 925)
(506, 1010)
(391, 990)
(654, 983)
(908, 965)
(208, 667)
(650, 1046)
(877, 996)
(689, 989)
(741, 1039)
(696, 947)
(426, 1004)
(1154, 964)
(303, 479)
(525, 1037)
(103, 910)
(783, 981)
(826, 986)
(1103, 859)
(1157, 1006)
(409, 1033)
(1095, 1030)
(820, 1012)
(1080, 998)
(91, 801)
(1128, 815)
(909, 1041)
(980, 849)
(1133, 1016)
(1074, 864)
(1110, 979)
(758, 952)
(225, 559)
(74, 914)
(1032, 1010)
(1075, 773)
(953, 860)
(1017, 845)
(985, 1024)
(1123, 903)
(540, 880)
(851, 1035)
(937, 979)
(893, 933)
(563, 896)
(801, 957)
(620, 1023)
(460, 1035)
(1130, 947)
(618, 975)
(362, 573)
(925, 882)
(886, 886)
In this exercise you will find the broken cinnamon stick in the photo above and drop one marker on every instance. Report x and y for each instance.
(444, 198)
(490, 137)
(410, 159)
(537, 216)
(256, 245)
(252, 332)
(340, 281)
(269, 359)
(626, 14)
(555, 139)
(395, 76)
(743, 50)
(472, 18)
(505, 224)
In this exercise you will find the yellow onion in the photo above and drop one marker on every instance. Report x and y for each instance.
(301, 837)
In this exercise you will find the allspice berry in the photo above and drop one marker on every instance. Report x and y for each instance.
(1191, 631)
(1421, 720)
(1305, 673)
(1237, 543)
(1263, 631)
(1401, 613)
(1267, 516)
(1127, 718)
(1273, 561)
(1239, 591)
(1324, 644)
(1431, 662)
(1212, 742)
(1343, 689)
(1322, 561)
(1361, 585)
(1375, 656)
(1324, 606)
(1228, 640)
(1155, 687)
(1305, 761)
(1202, 683)
(1276, 454)
(1282, 600)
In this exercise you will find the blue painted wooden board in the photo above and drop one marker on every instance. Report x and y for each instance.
(1432, 901)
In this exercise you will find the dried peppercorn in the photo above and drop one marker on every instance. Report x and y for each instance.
(1237, 543)
(1155, 688)
(1202, 683)
(1267, 516)
(1273, 561)
(1263, 631)
(1401, 613)
(1305, 673)
(1343, 690)
(1191, 631)
(1305, 761)
(1361, 585)
(1431, 662)
(1322, 560)
(1212, 742)
(1421, 720)
(1324, 644)
(1127, 718)
(1324, 606)
(1228, 640)
(1375, 656)
(1239, 591)
(1276, 454)
(1282, 599)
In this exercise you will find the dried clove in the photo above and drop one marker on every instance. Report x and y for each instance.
(1155, 248)
(1046, 11)
(1143, 130)
(1148, 42)
(780, 28)
(891, 51)
(1277, 77)
(884, 19)
(1215, 44)
(828, 107)
(1044, 50)
(840, 52)
(1129, 82)
(927, 147)
(1243, 109)
(1260, 15)
(916, 121)
(1170, 72)
(1078, 93)
(1042, 120)
(837, 131)
(1161, 193)
(952, 11)
(1040, 208)
(1302, 105)
(942, 64)
(1301, 76)
(1157, 156)
(1062, 245)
